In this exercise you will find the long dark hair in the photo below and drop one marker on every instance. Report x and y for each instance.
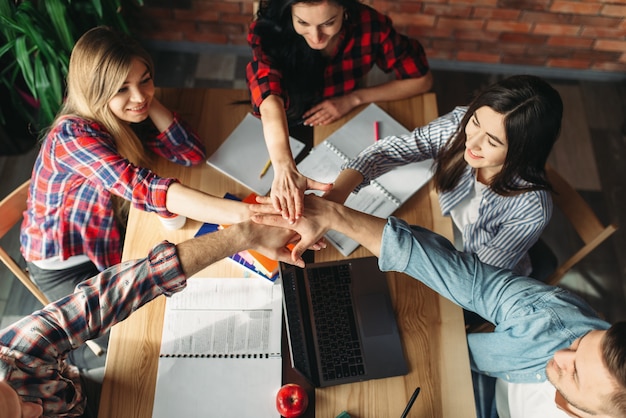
(532, 112)
(302, 67)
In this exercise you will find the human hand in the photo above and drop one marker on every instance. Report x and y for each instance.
(287, 194)
(310, 228)
(271, 241)
(328, 111)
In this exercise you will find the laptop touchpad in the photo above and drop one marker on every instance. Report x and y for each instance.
(376, 315)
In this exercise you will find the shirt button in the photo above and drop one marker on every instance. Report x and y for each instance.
(507, 377)
(538, 376)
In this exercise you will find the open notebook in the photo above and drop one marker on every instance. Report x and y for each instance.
(386, 193)
(243, 155)
(221, 350)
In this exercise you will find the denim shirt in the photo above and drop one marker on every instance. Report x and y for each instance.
(533, 320)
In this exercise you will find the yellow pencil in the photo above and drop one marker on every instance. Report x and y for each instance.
(265, 168)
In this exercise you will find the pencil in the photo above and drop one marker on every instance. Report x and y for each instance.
(410, 404)
(265, 168)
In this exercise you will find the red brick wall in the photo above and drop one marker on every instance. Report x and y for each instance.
(574, 34)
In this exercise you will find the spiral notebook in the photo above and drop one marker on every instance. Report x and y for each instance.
(221, 339)
(243, 155)
(383, 195)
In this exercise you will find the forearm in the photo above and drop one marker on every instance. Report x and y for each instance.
(345, 183)
(276, 132)
(365, 229)
(160, 115)
(201, 252)
(200, 206)
(393, 90)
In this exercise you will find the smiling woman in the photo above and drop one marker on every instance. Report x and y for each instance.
(489, 167)
(310, 60)
(91, 165)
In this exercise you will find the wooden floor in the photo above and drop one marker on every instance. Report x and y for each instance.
(591, 154)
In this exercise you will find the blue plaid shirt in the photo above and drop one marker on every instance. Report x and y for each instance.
(33, 351)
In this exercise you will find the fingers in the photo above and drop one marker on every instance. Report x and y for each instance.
(316, 185)
(270, 220)
(287, 257)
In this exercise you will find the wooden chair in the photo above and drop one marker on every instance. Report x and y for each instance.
(591, 231)
(12, 208)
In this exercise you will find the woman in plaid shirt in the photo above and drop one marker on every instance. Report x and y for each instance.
(309, 62)
(91, 166)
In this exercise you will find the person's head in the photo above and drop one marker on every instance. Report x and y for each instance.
(319, 23)
(530, 111)
(294, 34)
(110, 80)
(12, 405)
(590, 375)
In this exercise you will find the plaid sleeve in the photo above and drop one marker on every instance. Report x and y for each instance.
(398, 52)
(86, 149)
(179, 143)
(263, 80)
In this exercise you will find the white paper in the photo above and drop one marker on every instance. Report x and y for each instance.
(386, 193)
(243, 155)
(221, 349)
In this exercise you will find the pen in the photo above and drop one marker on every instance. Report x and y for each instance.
(265, 168)
(376, 130)
(410, 404)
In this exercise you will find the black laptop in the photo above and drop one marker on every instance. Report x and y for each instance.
(340, 322)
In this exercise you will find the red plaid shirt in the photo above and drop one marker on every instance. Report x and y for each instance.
(33, 351)
(373, 40)
(77, 170)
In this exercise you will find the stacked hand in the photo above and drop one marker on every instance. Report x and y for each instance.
(310, 227)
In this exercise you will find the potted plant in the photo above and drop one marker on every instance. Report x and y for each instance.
(36, 39)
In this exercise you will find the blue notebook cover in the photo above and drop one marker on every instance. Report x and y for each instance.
(237, 258)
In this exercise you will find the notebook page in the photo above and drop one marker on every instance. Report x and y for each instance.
(221, 336)
(386, 193)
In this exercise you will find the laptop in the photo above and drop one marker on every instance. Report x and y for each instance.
(341, 326)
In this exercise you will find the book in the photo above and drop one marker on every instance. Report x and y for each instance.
(243, 155)
(251, 260)
(383, 195)
(220, 349)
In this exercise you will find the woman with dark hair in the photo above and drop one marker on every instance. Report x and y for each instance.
(310, 58)
(489, 167)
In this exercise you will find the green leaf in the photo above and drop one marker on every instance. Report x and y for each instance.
(57, 12)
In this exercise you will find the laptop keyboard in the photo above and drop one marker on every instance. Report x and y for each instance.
(338, 338)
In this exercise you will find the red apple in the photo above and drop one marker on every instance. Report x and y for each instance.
(291, 400)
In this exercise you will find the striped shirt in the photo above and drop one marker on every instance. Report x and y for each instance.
(77, 171)
(33, 351)
(507, 226)
(371, 41)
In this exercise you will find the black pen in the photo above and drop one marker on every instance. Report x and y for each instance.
(411, 402)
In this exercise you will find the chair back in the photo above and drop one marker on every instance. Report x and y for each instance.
(12, 208)
(589, 228)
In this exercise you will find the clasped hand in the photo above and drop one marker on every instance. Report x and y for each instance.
(328, 111)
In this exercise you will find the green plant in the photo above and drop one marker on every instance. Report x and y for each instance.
(36, 39)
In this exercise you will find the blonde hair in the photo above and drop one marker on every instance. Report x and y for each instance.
(99, 64)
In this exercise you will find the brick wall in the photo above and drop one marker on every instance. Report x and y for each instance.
(574, 34)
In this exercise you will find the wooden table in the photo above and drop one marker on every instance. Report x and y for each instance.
(432, 328)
